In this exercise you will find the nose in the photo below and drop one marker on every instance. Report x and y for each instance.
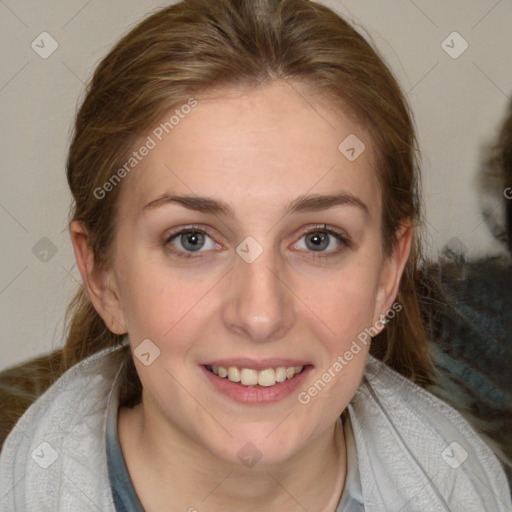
(259, 304)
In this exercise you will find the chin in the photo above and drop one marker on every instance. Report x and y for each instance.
(255, 446)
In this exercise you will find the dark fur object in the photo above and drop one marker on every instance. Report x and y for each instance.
(470, 317)
(23, 384)
(470, 326)
(495, 184)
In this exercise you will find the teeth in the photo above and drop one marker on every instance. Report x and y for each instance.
(281, 374)
(249, 377)
(267, 377)
(234, 374)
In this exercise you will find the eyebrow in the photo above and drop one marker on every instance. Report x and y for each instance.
(305, 203)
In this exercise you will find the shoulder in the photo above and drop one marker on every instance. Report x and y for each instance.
(413, 448)
(58, 444)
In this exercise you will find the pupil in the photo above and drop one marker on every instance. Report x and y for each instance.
(193, 240)
(318, 240)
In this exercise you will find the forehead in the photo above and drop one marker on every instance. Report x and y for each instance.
(262, 146)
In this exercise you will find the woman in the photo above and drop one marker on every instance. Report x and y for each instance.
(245, 225)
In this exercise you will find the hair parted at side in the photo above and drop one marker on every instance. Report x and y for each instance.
(195, 46)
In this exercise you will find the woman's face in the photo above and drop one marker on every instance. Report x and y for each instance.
(263, 285)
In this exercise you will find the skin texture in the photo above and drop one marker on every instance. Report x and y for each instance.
(257, 150)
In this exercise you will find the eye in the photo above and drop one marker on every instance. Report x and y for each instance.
(187, 241)
(320, 240)
(325, 241)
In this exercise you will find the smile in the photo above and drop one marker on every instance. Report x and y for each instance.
(250, 377)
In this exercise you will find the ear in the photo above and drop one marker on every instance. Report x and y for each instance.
(392, 270)
(99, 282)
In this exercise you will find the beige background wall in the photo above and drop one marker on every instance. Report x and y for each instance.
(458, 103)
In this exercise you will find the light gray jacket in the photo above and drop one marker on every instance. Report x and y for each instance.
(415, 453)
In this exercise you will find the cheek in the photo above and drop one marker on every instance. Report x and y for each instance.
(170, 307)
(343, 301)
(343, 308)
(347, 312)
(153, 301)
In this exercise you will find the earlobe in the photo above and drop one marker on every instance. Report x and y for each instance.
(99, 281)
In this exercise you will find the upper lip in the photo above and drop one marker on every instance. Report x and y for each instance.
(260, 364)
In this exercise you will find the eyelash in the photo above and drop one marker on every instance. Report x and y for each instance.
(340, 236)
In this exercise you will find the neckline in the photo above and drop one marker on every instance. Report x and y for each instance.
(123, 492)
(341, 475)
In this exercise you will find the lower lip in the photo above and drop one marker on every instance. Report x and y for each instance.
(257, 394)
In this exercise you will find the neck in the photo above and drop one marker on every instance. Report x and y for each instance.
(181, 472)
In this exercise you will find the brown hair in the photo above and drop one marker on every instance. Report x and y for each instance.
(199, 45)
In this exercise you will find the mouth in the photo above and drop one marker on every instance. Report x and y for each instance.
(253, 381)
(251, 377)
